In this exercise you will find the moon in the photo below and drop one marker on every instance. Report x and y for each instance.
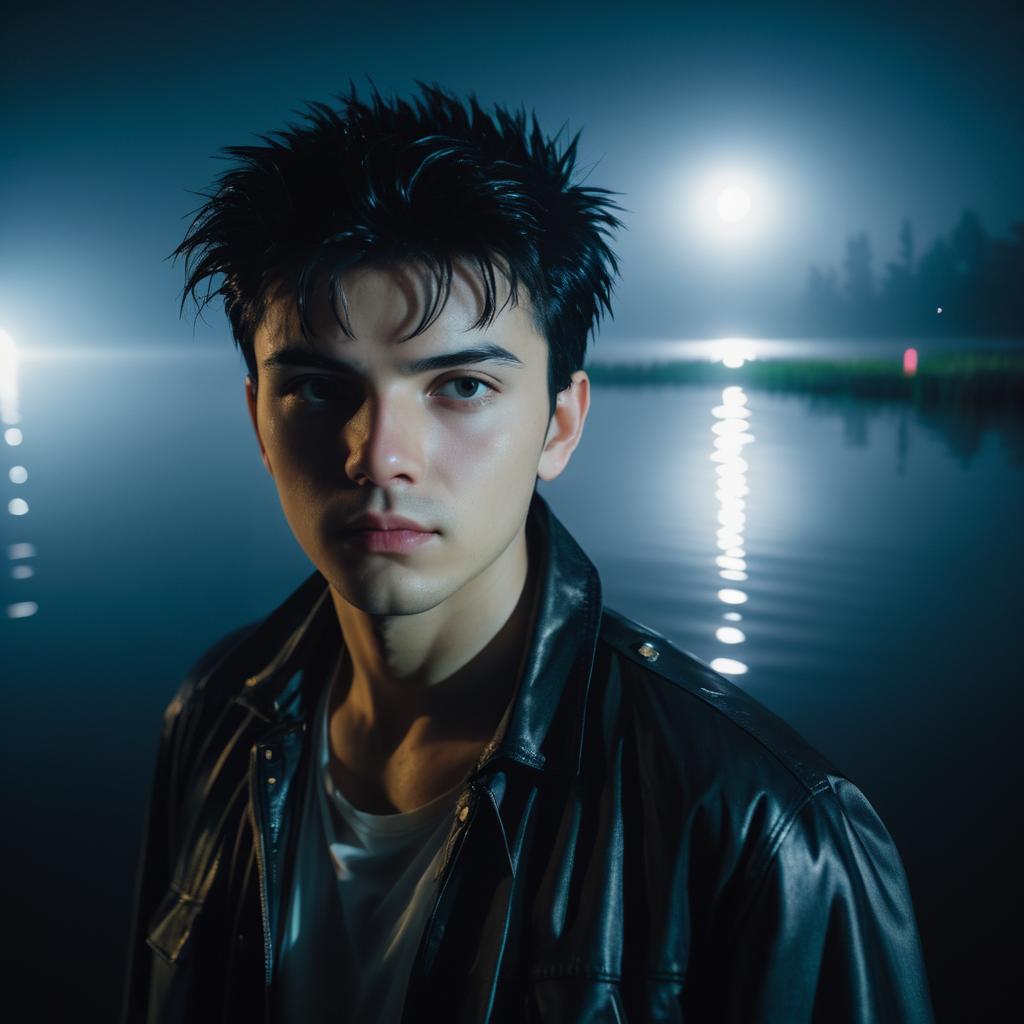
(732, 204)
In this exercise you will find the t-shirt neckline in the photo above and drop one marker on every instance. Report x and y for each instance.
(401, 822)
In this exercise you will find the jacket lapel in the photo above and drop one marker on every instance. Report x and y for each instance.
(545, 725)
(541, 736)
(470, 941)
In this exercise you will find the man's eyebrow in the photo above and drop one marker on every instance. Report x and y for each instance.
(298, 355)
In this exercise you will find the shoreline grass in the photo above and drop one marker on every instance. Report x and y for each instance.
(992, 380)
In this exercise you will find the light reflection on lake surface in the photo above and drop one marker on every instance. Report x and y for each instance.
(853, 565)
(732, 432)
(663, 350)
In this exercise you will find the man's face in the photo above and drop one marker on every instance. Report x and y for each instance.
(456, 449)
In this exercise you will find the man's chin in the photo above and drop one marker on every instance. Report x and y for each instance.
(382, 600)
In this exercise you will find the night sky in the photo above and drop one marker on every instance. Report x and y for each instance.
(843, 119)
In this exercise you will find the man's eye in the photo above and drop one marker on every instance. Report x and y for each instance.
(321, 390)
(316, 390)
(473, 390)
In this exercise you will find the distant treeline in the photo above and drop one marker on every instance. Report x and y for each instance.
(974, 278)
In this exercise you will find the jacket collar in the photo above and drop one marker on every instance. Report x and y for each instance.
(543, 724)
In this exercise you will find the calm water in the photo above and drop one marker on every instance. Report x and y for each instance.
(869, 597)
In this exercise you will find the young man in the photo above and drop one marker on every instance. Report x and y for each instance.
(442, 782)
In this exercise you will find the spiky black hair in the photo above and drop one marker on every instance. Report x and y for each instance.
(382, 182)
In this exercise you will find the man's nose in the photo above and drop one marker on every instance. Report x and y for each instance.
(385, 441)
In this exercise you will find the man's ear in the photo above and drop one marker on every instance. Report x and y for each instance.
(250, 400)
(566, 427)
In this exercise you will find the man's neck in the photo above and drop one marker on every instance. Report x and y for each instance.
(426, 693)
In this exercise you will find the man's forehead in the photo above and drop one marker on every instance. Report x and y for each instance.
(390, 301)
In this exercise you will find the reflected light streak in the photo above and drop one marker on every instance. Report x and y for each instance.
(730, 411)
(728, 667)
(10, 415)
(732, 466)
(728, 562)
(733, 353)
(733, 441)
(732, 434)
(729, 426)
(732, 487)
(730, 635)
(8, 379)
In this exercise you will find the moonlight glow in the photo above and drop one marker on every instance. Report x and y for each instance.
(732, 204)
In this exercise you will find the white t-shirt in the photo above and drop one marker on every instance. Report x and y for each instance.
(363, 886)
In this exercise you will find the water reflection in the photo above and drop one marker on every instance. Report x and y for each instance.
(729, 667)
(16, 474)
(730, 635)
(732, 435)
(732, 352)
(958, 389)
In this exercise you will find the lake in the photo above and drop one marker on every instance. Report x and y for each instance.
(853, 565)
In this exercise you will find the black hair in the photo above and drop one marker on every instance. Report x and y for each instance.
(379, 183)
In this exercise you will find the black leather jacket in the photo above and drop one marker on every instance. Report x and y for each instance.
(642, 841)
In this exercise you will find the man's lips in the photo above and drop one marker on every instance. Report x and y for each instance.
(386, 522)
(389, 541)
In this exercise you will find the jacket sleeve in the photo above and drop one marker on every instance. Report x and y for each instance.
(829, 932)
(155, 866)
(153, 873)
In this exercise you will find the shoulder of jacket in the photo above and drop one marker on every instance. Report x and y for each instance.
(204, 670)
(708, 693)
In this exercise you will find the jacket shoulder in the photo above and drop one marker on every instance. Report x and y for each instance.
(710, 702)
(196, 684)
(789, 859)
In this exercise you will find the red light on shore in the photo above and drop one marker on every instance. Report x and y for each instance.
(910, 362)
